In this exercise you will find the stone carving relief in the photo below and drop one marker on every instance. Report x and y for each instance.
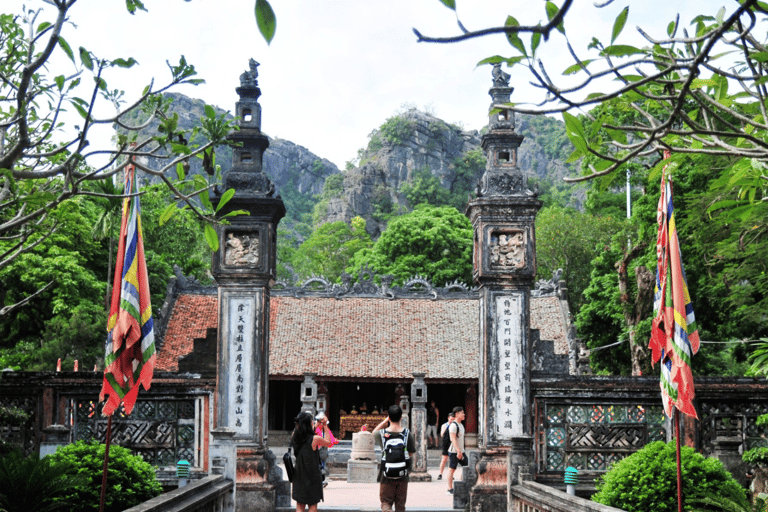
(508, 250)
(242, 250)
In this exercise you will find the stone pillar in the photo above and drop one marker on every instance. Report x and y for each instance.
(223, 461)
(419, 429)
(309, 393)
(56, 436)
(504, 266)
(322, 398)
(244, 267)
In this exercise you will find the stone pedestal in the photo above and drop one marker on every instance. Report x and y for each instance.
(55, 437)
(254, 491)
(727, 452)
(362, 471)
(223, 461)
(362, 466)
(489, 494)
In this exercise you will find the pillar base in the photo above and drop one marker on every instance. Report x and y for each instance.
(489, 494)
(256, 497)
(419, 476)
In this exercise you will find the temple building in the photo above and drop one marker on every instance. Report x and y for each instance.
(363, 342)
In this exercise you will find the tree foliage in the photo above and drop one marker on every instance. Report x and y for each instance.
(32, 484)
(568, 239)
(431, 242)
(67, 319)
(46, 163)
(330, 248)
(696, 89)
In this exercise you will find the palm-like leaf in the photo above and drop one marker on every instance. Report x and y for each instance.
(32, 485)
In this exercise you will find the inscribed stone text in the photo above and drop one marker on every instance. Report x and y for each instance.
(509, 419)
(241, 251)
(241, 315)
(508, 250)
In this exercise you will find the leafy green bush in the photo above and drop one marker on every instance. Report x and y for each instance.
(32, 484)
(646, 481)
(130, 480)
(757, 455)
(397, 129)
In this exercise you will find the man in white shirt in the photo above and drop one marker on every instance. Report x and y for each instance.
(456, 451)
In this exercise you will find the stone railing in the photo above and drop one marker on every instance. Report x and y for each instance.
(209, 494)
(534, 497)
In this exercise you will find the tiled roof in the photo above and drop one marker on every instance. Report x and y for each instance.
(352, 338)
(191, 317)
(363, 337)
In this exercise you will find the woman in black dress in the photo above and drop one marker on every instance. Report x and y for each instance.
(308, 480)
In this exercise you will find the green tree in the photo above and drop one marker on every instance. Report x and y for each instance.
(330, 248)
(431, 242)
(44, 163)
(425, 188)
(569, 240)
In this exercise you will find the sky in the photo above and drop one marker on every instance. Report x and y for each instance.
(337, 69)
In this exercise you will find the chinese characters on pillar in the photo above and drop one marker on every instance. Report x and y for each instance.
(241, 332)
(509, 343)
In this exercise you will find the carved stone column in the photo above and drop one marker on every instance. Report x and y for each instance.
(244, 267)
(419, 428)
(504, 265)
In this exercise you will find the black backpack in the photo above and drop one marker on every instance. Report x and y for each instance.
(447, 436)
(395, 460)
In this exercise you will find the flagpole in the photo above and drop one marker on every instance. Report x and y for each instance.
(106, 464)
(679, 471)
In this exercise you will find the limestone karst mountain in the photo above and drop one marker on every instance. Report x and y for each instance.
(410, 151)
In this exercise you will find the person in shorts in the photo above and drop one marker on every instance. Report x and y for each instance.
(444, 448)
(456, 451)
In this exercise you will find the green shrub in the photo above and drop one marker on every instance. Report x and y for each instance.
(646, 481)
(130, 480)
(32, 484)
(758, 455)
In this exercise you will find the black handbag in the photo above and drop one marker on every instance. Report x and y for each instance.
(464, 460)
(288, 462)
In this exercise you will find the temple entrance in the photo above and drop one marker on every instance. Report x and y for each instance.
(365, 398)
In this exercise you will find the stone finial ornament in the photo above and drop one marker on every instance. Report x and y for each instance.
(500, 78)
(248, 78)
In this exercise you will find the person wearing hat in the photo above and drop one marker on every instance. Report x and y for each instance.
(308, 480)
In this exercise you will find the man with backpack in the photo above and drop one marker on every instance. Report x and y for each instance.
(397, 446)
(445, 443)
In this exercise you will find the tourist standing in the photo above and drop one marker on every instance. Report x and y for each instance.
(445, 443)
(397, 446)
(432, 418)
(456, 451)
(308, 480)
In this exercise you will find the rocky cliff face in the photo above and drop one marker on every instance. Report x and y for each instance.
(414, 141)
(293, 169)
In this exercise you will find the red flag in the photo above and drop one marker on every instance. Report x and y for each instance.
(674, 335)
(130, 349)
